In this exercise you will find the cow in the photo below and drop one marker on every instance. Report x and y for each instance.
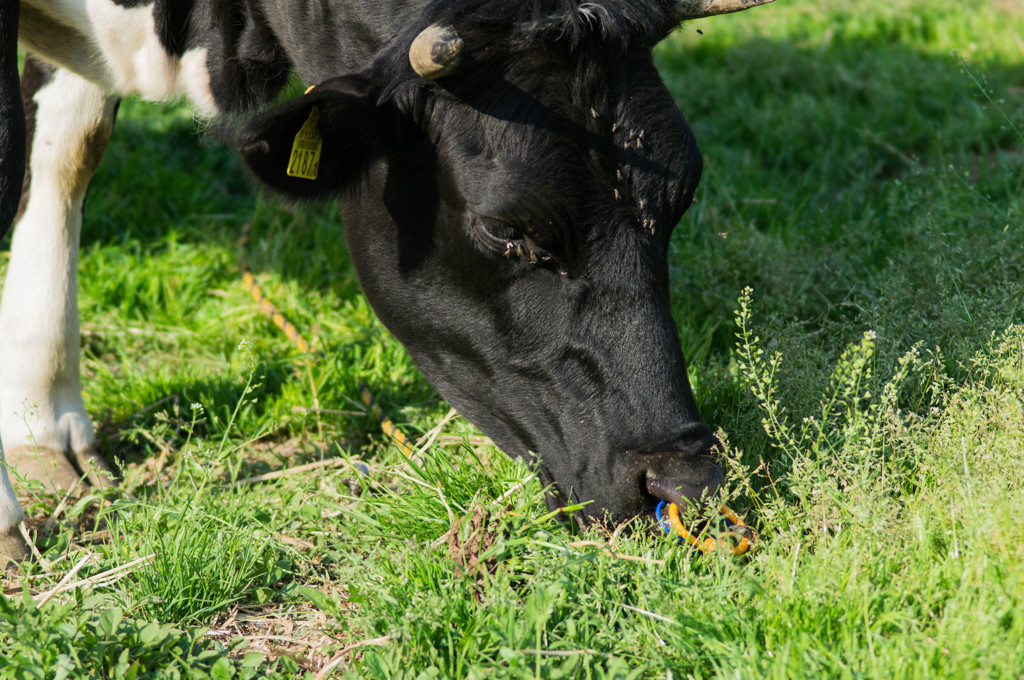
(509, 173)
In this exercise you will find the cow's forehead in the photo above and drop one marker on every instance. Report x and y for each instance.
(564, 131)
(571, 21)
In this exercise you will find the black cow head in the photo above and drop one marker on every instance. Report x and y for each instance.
(509, 185)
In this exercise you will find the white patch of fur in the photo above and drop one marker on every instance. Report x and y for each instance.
(124, 56)
(194, 82)
(40, 388)
(10, 510)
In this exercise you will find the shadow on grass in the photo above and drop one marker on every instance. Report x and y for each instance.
(171, 415)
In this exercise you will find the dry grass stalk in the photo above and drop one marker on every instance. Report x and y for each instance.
(329, 463)
(302, 634)
(430, 437)
(64, 581)
(52, 521)
(656, 617)
(105, 578)
(46, 564)
(619, 556)
(340, 656)
(325, 411)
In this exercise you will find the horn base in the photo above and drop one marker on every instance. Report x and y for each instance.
(698, 9)
(436, 52)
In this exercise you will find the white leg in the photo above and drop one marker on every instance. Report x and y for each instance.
(45, 430)
(12, 546)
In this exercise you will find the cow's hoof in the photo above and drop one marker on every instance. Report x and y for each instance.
(58, 469)
(12, 548)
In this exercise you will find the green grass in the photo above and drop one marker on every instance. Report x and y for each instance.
(863, 180)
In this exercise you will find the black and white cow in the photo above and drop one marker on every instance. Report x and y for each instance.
(509, 173)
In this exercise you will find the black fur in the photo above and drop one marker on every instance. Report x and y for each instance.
(37, 74)
(172, 20)
(12, 119)
(557, 142)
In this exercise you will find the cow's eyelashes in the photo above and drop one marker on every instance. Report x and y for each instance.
(502, 238)
(497, 235)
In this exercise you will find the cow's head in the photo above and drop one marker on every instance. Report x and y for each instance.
(509, 178)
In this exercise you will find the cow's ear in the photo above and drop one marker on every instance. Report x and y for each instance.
(317, 144)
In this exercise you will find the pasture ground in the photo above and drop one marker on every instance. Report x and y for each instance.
(864, 176)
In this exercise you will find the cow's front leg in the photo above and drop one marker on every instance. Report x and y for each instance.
(46, 433)
(12, 546)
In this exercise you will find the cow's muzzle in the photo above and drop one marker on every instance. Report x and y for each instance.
(700, 495)
(690, 478)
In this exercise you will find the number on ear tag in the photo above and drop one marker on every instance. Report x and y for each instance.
(305, 159)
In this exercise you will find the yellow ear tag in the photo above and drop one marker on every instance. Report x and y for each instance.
(305, 159)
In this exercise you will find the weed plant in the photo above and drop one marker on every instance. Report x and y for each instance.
(850, 295)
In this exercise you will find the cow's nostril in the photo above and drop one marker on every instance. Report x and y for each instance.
(684, 494)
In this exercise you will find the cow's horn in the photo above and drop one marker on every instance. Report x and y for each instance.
(697, 9)
(435, 52)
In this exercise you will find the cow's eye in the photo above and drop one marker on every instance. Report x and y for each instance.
(496, 235)
(502, 238)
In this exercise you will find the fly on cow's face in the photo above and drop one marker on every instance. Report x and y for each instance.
(495, 235)
(500, 237)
